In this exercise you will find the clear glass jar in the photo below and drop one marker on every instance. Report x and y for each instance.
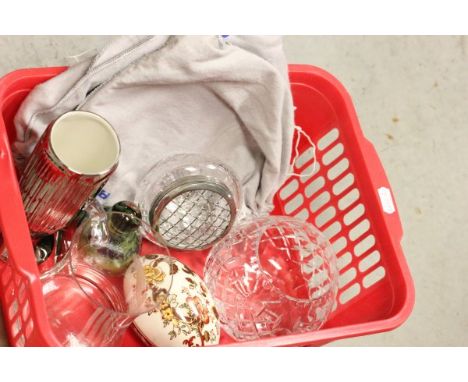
(190, 201)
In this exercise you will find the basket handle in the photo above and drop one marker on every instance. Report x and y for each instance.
(384, 193)
(13, 223)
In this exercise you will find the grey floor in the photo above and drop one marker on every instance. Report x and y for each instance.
(411, 96)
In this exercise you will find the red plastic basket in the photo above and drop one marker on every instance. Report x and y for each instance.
(348, 198)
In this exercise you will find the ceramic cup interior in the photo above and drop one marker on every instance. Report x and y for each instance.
(85, 143)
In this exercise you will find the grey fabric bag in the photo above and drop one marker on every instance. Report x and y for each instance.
(179, 94)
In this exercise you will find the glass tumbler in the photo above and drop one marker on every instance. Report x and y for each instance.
(84, 294)
(74, 158)
(272, 276)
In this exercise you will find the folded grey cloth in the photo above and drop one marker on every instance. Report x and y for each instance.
(180, 94)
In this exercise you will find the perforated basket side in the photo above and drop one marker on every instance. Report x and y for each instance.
(20, 287)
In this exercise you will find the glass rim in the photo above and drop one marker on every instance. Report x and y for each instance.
(116, 143)
(263, 223)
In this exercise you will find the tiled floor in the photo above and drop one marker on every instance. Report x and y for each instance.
(411, 95)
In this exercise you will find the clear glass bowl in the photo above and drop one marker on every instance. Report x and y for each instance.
(190, 201)
(272, 276)
(85, 295)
